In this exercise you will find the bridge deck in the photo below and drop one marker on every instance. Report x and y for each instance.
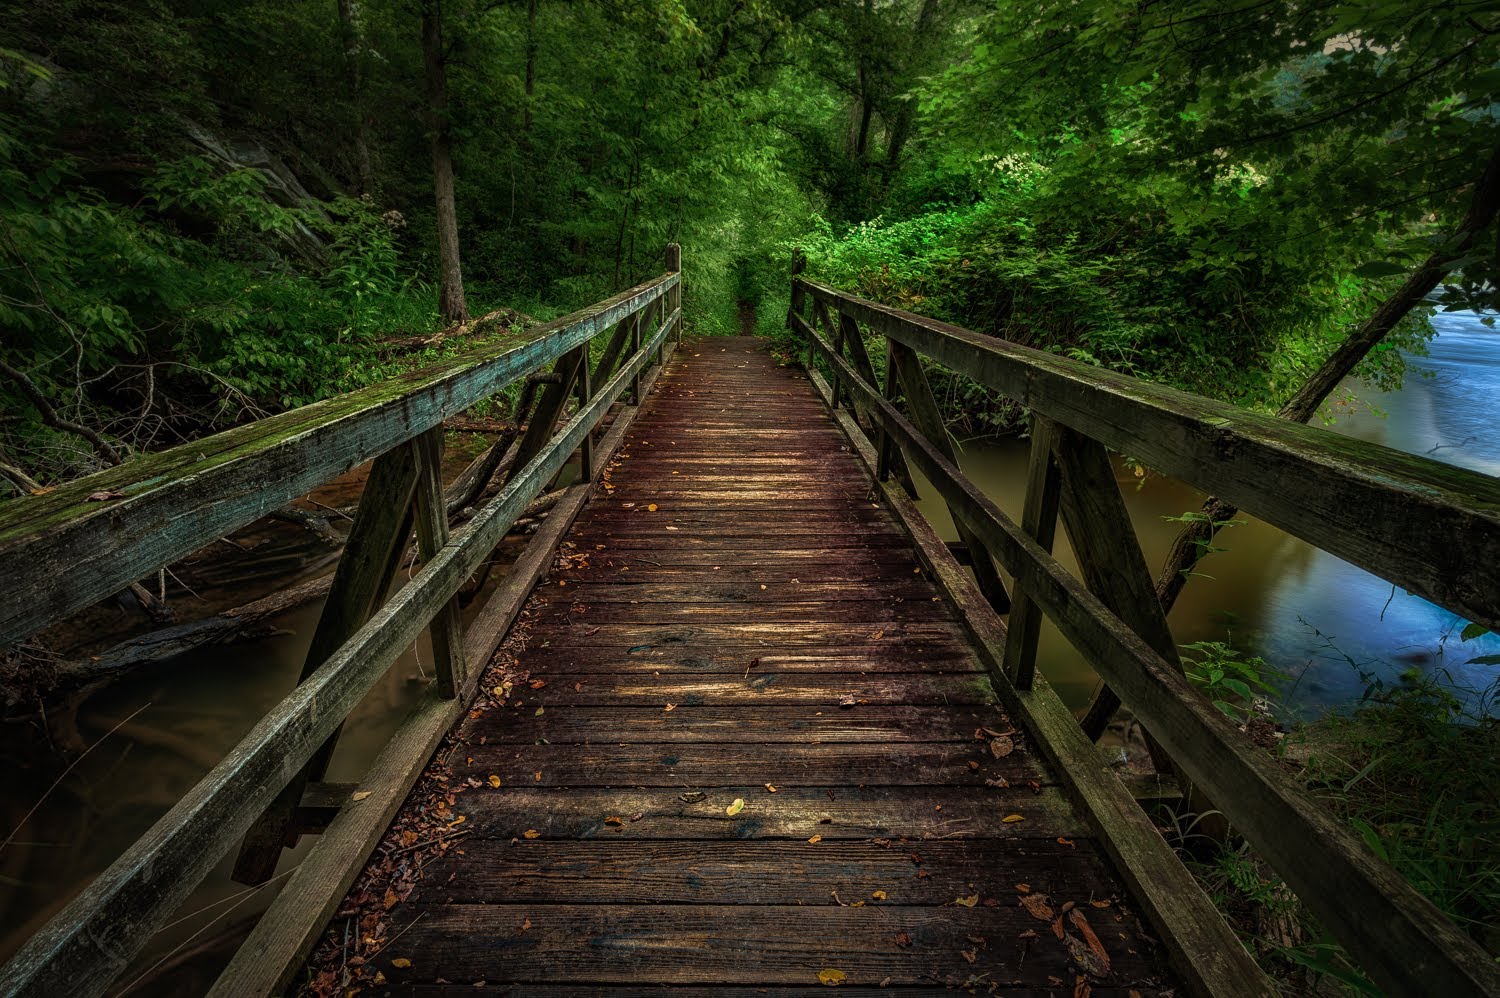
(748, 745)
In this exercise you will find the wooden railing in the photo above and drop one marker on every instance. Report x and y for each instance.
(1431, 528)
(68, 549)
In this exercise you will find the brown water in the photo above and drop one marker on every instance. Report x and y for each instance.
(1268, 592)
(1331, 627)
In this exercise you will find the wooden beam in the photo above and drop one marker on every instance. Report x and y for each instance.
(94, 937)
(1039, 520)
(446, 629)
(1202, 947)
(1431, 528)
(285, 935)
(63, 551)
(377, 539)
(926, 415)
(1399, 937)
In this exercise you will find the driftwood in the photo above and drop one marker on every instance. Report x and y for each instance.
(236, 624)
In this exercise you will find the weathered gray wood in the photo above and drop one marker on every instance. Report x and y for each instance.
(91, 940)
(1203, 948)
(446, 630)
(1432, 528)
(926, 415)
(549, 409)
(1398, 936)
(1039, 519)
(584, 388)
(287, 932)
(377, 539)
(612, 351)
(674, 299)
(61, 552)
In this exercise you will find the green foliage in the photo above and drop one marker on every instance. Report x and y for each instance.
(1231, 679)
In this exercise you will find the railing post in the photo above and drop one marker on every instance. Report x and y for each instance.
(371, 557)
(585, 389)
(928, 420)
(446, 629)
(1038, 519)
(635, 348)
(674, 266)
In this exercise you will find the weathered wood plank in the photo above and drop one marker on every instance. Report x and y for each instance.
(756, 724)
(825, 689)
(90, 941)
(781, 944)
(1343, 882)
(766, 872)
(1203, 948)
(1039, 519)
(1430, 527)
(793, 813)
(62, 552)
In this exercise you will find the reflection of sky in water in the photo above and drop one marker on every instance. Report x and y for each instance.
(1449, 417)
(1302, 609)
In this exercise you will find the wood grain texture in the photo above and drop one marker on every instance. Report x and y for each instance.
(62, 552)
(670, 673)
(1397, 935)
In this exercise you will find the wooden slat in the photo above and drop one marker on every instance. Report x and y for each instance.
(1203, 948)
(1039, 519)
(286, 933)
(757, 724)
(1343, 882)
(62, 552)
(1432, 528)
(89, 942)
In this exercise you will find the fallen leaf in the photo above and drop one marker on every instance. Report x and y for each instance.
(401, 962)
(1066, 842)
(537, 776)
(692, 797)
(390, 900)
(967, 902)
(903, 939)
(359, 795)
(1082, 925)
(540, 711)
(1098, 904)
(973, 764)
(736, 807)
(878, 895)
(1036, 905)
(494, 781)
(670, 706)
(526, 925)
(532, 833)
(1012, 818)
(832, 978)
(770, 789)
(651, 507)
(969, 954)
(612, 820)
(1088, 961)
(815, 839)
(1024, 888)
(1002, 746)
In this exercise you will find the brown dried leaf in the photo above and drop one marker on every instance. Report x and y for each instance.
(1082, 925)
(1002, 746)
(1036, 905)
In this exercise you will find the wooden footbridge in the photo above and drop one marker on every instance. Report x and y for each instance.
(750, 728)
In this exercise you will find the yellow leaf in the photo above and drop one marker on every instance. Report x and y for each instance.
(967, 902)
(1009, 818)
(494, 781)
(736, 807)
(815, 839)
(540, 711)
(670, 706)
(878, 895)
(532, 833)
(401, 961)
(832, 978)
(651, 507)
(770, 789)
(361, 794)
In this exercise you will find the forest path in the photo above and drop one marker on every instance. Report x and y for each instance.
(756, 749)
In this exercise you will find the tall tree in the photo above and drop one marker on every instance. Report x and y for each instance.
(353, 35)
(451, 301)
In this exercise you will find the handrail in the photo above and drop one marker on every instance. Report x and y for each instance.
(92, 940)
(1432, 528)
(63, 551)
(1398, 936)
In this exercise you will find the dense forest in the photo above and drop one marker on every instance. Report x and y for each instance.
(216, 210)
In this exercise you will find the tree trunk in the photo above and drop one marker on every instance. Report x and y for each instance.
(531, 47)
(1192, 543)
(451, 296)
(905, 115)
(354, 78)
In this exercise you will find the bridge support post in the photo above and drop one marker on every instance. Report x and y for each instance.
(674, 303)
(446, 629)
(928, 419)
(1038, 519)
(361, 581)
